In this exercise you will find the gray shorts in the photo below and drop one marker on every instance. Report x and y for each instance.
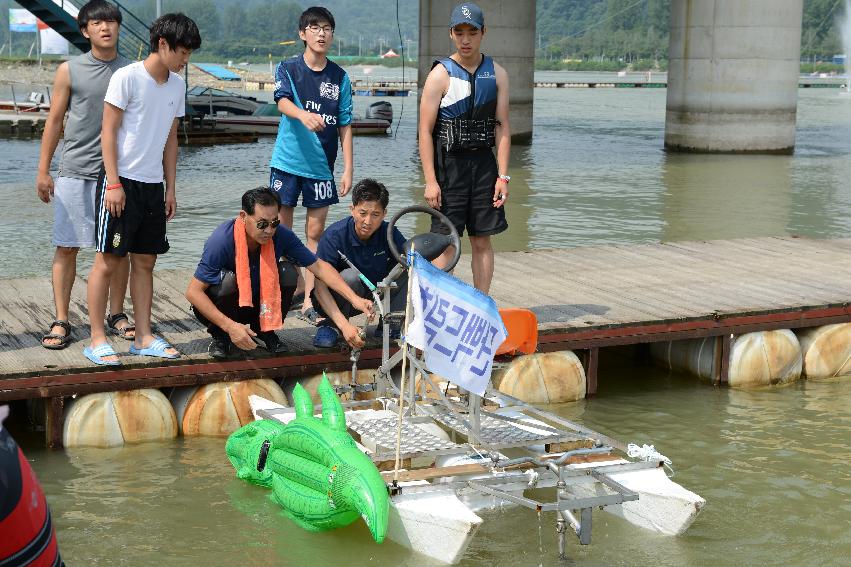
(74, 212)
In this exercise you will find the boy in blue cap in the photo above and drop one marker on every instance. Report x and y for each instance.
(464, 113)
(315, 97)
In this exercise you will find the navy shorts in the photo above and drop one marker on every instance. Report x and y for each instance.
(141, 228)
(314, 193)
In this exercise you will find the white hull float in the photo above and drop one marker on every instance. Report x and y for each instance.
(663, 506)
(436, 524)
(445, 478)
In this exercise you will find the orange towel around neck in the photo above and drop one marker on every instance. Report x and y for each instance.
(270, 287)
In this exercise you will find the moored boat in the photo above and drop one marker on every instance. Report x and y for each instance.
(211, 101)
(35, 103)
(266, 118)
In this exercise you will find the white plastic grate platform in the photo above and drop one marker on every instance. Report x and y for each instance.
(505, 433)
(415, 441)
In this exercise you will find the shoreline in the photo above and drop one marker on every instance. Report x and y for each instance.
(29, 74)
(42, 76)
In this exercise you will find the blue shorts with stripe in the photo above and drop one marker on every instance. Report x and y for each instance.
(315, 193)
(141, 228)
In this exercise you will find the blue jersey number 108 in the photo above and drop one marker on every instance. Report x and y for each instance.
(323, 189)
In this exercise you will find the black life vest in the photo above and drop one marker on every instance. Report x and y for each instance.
(466, 119)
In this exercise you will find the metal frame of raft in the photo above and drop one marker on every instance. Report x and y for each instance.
(495, 475)
(443, 454)
(577, 462)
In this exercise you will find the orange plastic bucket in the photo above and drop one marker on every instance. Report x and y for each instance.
(522, 327)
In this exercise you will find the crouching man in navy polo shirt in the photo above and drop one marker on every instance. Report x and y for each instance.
(236, 318)
(362, 237)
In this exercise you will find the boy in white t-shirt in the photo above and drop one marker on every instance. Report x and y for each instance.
(139, 142)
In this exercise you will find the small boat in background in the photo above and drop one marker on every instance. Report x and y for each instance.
(211, 101)
(35, 103)
(265, 119)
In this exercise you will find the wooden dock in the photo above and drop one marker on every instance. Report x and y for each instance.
(195, 132)
(203, 131)
(22, 125)
(621, 84)
(360, 87)
(375, 90)
(585, 298)
(600, 85)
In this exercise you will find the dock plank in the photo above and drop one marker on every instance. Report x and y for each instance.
(750, 259)
(604, 293)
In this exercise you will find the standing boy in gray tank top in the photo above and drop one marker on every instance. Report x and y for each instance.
(79, 89)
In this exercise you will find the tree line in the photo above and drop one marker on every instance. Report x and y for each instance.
(255, 29)
(616, 32)
(628, 31)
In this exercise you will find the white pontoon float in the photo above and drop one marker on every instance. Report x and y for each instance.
(461, 453)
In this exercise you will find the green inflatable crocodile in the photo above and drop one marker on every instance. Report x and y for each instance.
(315, 470)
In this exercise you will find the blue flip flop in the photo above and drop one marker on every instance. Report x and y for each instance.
(98, 353)
(157, 348)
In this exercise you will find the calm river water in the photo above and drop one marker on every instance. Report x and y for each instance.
(772, 464)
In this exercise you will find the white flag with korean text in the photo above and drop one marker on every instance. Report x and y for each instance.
(457, 327)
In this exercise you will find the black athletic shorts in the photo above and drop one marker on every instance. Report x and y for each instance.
(141, 227)
(466, 182)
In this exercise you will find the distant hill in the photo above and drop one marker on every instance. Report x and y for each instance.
(372, 20)
(366, 18)
(253, 27)
(578, 29)
(626, 28)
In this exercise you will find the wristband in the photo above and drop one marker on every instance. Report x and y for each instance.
(505, 178)
(113, 186)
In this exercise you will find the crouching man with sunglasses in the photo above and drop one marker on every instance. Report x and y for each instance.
(244, 283)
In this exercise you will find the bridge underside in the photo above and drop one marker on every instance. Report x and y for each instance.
(733, 75)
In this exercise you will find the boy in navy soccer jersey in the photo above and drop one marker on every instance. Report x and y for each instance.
(315, 97)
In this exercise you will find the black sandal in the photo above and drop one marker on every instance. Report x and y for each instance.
(64, 340)
(297, 301)
(112, 321)
(309, 316)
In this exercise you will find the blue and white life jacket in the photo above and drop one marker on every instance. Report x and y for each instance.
(467, 116)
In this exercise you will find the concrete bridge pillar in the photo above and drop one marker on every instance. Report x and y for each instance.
(733, 75)
(509, 39)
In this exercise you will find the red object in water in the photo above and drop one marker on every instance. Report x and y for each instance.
(28, 537)
(522, 327)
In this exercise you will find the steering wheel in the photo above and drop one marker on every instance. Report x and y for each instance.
(431, 244)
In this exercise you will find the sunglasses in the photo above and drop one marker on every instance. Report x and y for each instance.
(263, 224)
